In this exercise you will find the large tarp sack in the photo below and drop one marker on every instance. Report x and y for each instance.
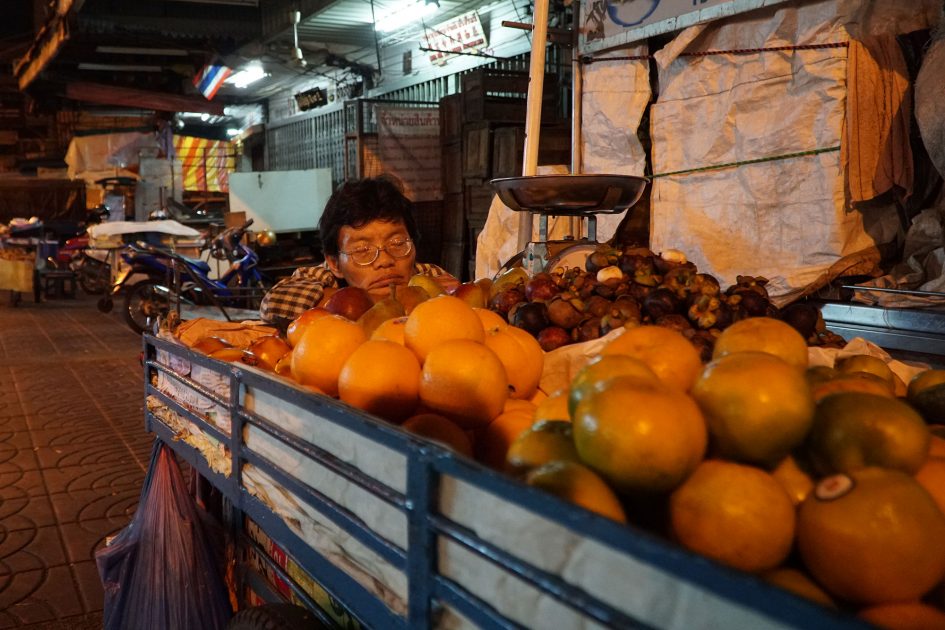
(160, 572)
(930, 100)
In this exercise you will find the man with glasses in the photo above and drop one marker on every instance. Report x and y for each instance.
(367, 231)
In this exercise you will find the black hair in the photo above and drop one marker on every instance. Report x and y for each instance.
(358, 203)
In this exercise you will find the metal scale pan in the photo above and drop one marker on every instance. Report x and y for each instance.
(566, 195)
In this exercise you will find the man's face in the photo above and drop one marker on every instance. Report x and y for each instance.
(376, 277)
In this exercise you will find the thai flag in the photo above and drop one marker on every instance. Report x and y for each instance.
(210, 79)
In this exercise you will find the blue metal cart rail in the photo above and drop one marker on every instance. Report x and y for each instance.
(404, 533)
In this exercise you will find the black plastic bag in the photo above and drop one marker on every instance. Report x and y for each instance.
(160, 572)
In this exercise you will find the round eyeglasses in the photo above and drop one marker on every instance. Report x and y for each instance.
(366, 254)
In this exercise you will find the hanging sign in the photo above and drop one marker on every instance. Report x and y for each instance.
(310, 99)
(461, 34)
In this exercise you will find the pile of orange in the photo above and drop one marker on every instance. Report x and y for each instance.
(742, 460)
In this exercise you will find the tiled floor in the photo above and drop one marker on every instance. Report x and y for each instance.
(73, 453)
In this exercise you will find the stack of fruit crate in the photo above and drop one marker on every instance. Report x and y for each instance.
(482, 130)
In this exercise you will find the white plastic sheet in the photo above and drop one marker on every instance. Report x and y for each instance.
(785, 219)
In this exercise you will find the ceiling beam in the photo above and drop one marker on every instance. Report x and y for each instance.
(139, 99)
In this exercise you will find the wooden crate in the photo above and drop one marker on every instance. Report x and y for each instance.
(453, 222)
(478, 197)
(451, 118)
(452, 156)
(477, 149)
(508, 149)
(453, 258)
(430, 225)
(501, 96)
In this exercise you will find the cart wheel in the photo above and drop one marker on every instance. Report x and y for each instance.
(276, 617)
(106, 304)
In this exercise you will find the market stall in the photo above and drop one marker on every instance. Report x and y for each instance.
(653, 436)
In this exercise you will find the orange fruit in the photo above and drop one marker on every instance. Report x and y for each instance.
(266, 352)
(542, 442)
(937, 446)
(320, 354)
(284, 365)
(601, 368)
(673, 359)
(439, 429)
(852, 382)
(382, 378)
(463, 380)
(932, 477)
(735, 514)
(554, 407)
(578, 484)
(819, 373)
(796, 481)
(798, 583)
(521, 368)
(640, 435)
(514, 404)
(536, 356)
(864, 363)
(440, 319)
(926, 392)
(904, 616)
(493, 442)
(763, 334)
(490, 319)
(853, 430)
(298, 325)
(757, 406)
(538, 397)
(872, 536)
(229, 354)
(391, 330)
(209, 344)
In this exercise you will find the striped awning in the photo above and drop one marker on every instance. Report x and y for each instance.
(206, 164)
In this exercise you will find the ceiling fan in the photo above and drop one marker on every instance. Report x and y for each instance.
(298, 57)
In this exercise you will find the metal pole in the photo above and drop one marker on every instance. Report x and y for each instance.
(536, 85)
(577, 92)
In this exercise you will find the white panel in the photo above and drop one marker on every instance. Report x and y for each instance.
(374, 459)
(376, 513)
(282, 201)
(343, 550)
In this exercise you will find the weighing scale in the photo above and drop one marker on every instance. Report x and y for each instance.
(582, 196)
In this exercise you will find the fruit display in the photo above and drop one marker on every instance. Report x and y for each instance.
(624, 287)
(826, 481)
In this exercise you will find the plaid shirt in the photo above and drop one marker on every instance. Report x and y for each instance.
(305, 288)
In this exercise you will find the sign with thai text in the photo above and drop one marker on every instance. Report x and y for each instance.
(459, 35)
(409, 148)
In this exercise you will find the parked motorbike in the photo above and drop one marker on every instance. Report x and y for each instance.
(173, 279)
(90, 265)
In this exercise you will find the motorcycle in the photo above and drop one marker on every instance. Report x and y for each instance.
(90, 265)
(173, 279)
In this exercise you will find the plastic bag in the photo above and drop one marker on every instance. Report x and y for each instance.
(160, 572)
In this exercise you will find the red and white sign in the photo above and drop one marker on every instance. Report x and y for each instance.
(461, 34)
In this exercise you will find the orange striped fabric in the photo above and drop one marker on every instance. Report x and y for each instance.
(207, 164)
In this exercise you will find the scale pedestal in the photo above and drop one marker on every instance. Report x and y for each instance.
(583, 196)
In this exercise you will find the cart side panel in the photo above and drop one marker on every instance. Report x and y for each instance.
(330, 540)
(375, 459)
(384, 518)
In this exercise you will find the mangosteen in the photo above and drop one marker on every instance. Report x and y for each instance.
(553, 337)
(530, 316)
(674, 321)
(659, 303)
